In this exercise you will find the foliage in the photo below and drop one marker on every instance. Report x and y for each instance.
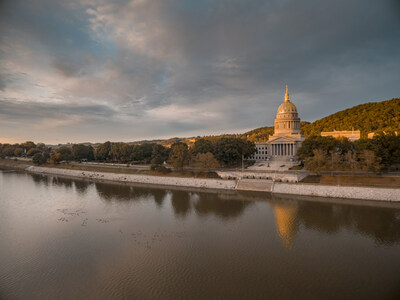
(65, 152)
(202, 146)
(229, 151)
(102, 152)
(55, 158)
(18, 152)
(80, 152)
(40, 158)
(368, 117)
(179, 155)
(160, 168)
(204, 161)
(33, 151)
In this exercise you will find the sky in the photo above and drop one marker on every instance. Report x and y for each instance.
(126, 70)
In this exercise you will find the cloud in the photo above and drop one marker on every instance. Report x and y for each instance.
(191, 67)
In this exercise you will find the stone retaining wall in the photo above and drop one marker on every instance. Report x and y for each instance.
(145, 179)
(349, 192)
(283, 177)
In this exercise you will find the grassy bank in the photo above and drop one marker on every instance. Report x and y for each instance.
(354, 180)
(21, 165)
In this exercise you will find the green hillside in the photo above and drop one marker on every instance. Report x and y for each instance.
(368, 117)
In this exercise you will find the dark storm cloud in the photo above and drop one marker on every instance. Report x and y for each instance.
(197, 65)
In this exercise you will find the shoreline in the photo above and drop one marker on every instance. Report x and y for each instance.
(380, 194)
(254, 185)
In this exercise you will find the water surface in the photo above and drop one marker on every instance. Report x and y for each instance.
(73, 239)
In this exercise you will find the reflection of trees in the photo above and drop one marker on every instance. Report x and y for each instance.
(40, 179)
(62, 181)
(159, 196)
(109, 191)
(382, 224)
(205, 204)
(212, 204)
(82, 185)
(180, 201)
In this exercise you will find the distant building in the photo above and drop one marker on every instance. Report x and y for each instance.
(283, 145)
(352, 135)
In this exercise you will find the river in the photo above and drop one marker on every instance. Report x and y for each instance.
(72, 239)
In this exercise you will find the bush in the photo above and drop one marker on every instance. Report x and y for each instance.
(159, 168)
(40, 158)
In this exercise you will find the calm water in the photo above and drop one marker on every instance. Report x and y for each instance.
(70, 239)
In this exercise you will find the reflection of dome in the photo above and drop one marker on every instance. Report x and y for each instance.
(286, 222)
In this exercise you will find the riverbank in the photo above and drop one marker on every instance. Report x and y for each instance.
(391, 194)
(259, 185)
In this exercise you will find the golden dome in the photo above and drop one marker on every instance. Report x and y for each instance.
(287, 107)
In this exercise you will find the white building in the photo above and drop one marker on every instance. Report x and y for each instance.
(283, 145)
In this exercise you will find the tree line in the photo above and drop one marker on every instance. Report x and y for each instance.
(381, 153)
(203, 154)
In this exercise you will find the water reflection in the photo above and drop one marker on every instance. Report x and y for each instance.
(213, 204)
(82, 185)
(180, 202)
(159, 196)
(87, 239)
(286, 217)
(62, 181)
(119, 192)
(40, 179)
(381, 224)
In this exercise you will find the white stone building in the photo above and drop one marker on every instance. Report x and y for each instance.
(283, 145)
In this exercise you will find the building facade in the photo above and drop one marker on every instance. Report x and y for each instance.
(351, 135)
(283, 145)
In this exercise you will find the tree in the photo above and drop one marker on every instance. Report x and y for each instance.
(80, 151)
(317, 162)
(9, 151)
(370, 161)
(351, 160)
(33, 151)
(202, 146)
(312, 143)
(66, 153)
(179, 155)
(18, 152)
(28, 145)
(204, 161)
(159, 154)
(40, 158)
(102, 152)
(55, 158)
(229, 151)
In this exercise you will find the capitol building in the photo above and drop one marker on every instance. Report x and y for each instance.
(283, 145)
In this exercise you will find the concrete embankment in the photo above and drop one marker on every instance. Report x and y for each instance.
(347, 192)
(260, 185)
(144, 179)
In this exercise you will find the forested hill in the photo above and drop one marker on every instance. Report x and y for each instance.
(368, 117)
